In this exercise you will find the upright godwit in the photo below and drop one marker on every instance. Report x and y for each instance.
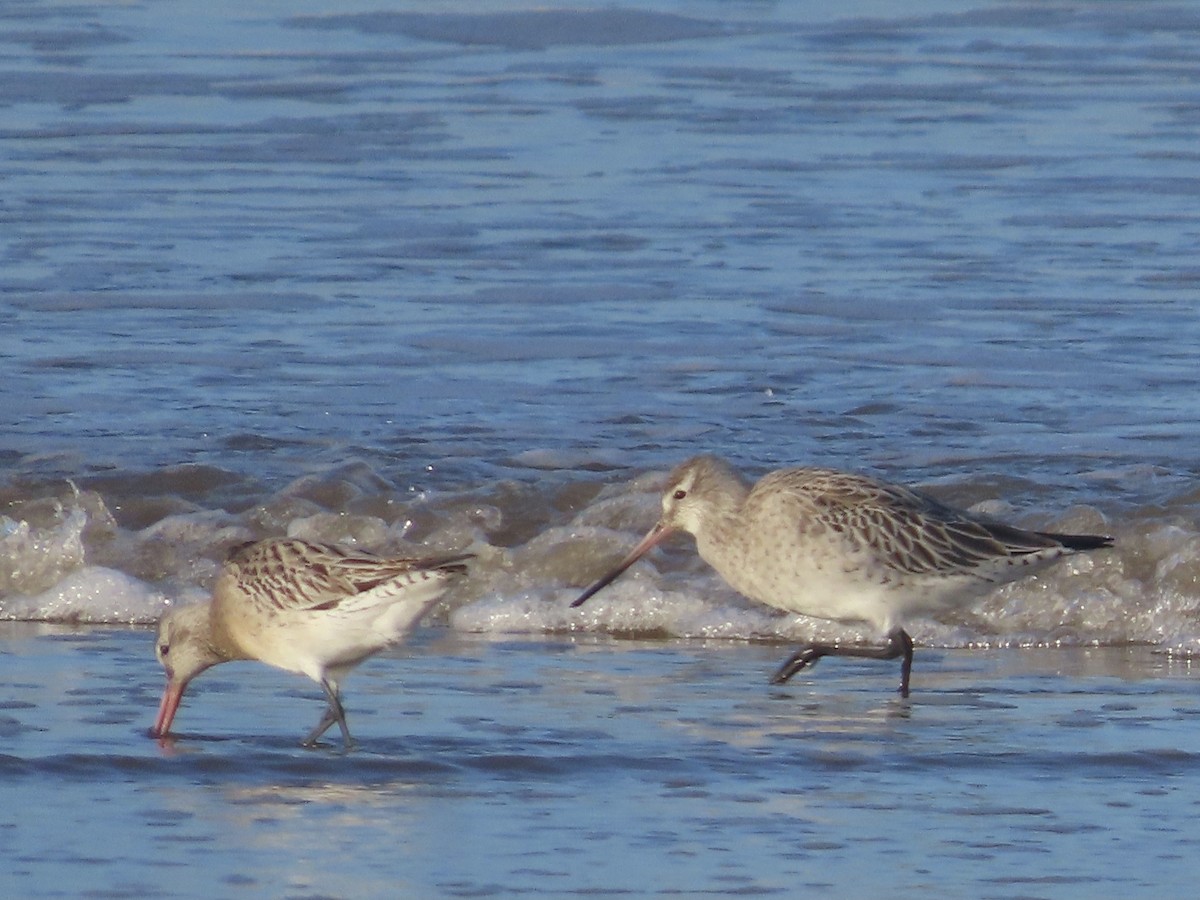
(845, 547)
(314, 609)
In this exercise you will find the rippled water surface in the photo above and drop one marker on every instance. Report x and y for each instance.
(278, 236)
(429, 275)
(565, 768)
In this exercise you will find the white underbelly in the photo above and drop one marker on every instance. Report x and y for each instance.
(848, 589)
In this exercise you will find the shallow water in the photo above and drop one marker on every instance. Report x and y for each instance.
(422, 277)
(564, 767)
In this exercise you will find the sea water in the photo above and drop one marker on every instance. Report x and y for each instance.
(425, 277)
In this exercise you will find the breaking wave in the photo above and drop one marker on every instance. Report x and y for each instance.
(121, 551)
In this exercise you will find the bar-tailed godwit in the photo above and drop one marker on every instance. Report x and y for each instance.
(850, 548)
(314, 609)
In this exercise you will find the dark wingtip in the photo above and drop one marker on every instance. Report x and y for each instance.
(451, 560)
(453, 565)
(1083, 541)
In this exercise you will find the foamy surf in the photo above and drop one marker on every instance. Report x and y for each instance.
(69, 559)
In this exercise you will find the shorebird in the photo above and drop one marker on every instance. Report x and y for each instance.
(314, 609)
(845, 547)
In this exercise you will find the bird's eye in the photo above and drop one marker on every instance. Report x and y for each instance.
(164, 649)
(680, 494)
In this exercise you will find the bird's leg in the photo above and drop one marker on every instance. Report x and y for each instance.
(906, 645)
(806, 656)
(898, 644)
(327, 719)
(334, 712)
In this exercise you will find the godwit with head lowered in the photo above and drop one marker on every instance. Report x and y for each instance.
(846, 547)
(314, 609)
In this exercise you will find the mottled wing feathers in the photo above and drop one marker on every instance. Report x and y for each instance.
(913, 533)
(294, 575)
(364, 572)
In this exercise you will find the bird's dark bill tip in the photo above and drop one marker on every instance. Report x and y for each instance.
(604, 582)
(593, 590)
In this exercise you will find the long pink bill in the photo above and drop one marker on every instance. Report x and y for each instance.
(657, 535)
(172, 694)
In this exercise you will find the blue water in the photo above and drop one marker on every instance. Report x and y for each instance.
(565, 768)
(463, 275)
(262, 238)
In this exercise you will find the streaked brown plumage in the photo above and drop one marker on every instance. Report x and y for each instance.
(315, 609)
(836, 545)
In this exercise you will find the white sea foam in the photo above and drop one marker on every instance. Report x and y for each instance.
(536, 547)
(93, 594)
(37, 555)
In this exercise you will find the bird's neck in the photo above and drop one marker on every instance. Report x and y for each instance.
(719, 526)
(220, 639)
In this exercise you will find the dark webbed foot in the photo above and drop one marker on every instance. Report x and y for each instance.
(801, 659)
(898, 644)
